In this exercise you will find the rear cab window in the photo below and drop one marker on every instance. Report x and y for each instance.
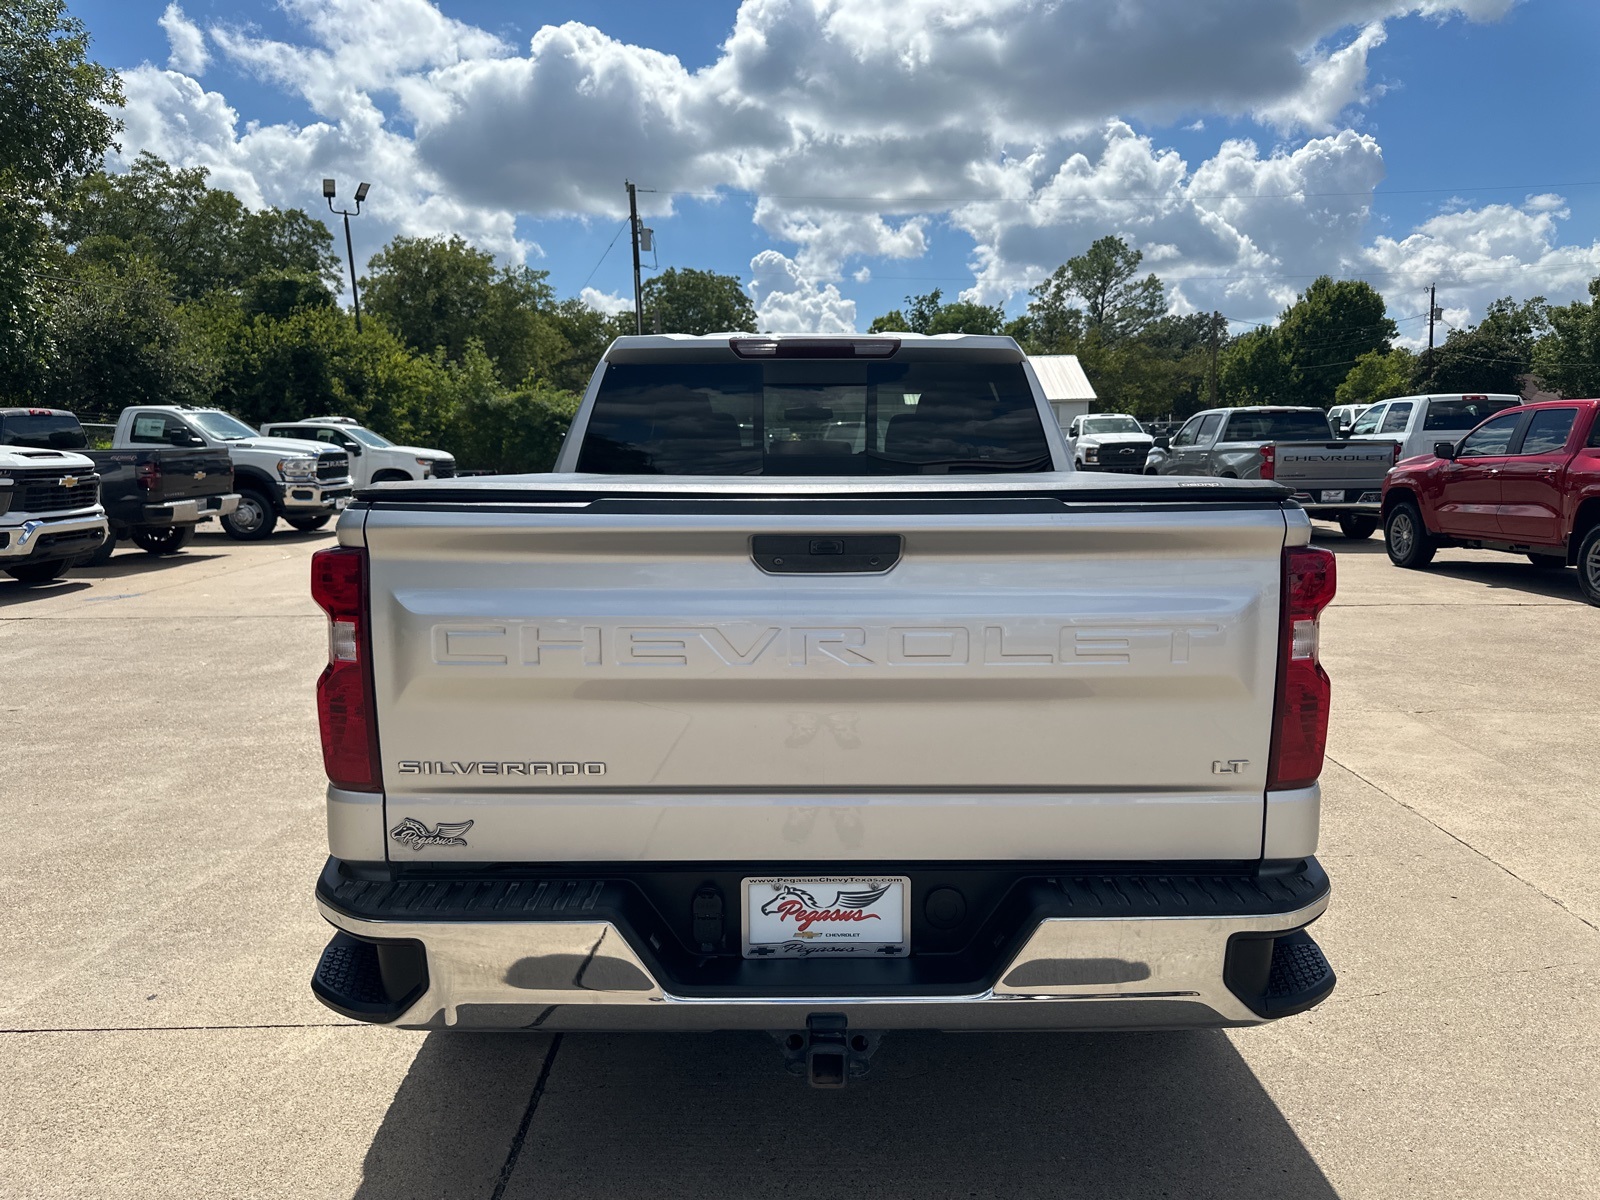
(42, 430)
(1463, 413)
(1278, 427)
(814, 417)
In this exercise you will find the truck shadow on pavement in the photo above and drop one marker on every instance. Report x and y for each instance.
(1514, 574)
(1058, 1115)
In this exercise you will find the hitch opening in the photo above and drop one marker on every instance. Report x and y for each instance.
(828, 1054)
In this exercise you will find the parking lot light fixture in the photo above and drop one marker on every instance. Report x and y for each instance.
(329, 190)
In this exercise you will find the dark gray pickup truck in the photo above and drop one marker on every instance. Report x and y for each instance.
(152, 497)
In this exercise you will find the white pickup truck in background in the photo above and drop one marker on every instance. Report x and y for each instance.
(373, 457)
(811, 694)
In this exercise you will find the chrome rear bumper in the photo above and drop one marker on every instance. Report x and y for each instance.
(1132, 972)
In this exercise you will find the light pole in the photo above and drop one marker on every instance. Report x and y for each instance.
(361, 195)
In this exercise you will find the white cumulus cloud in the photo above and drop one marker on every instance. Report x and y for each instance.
(186, 43)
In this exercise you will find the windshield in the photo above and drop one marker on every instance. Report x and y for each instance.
(1277, 427)
(1111, 425)
(366, 437)
(221, 426)
(42, 431)
(816, 417)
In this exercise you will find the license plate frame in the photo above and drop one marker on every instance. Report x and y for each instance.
(826, 935)
(1332, 496)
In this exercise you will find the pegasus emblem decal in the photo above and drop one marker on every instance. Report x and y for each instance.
(412, 832)
(800, 906)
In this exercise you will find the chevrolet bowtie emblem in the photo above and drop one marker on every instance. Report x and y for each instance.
(69, 481)
(199, 474)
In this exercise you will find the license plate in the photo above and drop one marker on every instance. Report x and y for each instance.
(1333, 497)
(826, 916)
(341, 503)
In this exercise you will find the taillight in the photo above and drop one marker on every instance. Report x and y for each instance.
(148, 476)
(1300, 715)
(1396, 457)
(1269, 461)
(345, 708)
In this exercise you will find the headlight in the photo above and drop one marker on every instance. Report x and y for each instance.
(426, 462)
(1091, 454)
(297, 468)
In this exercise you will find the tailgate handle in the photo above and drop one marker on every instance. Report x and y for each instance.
(820, 553)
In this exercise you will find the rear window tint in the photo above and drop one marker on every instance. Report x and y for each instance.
(1462, 414)
(42, 431)
(814, 417)
(1277, 427)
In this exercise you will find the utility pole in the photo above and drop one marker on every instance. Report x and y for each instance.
(1433, 313)
(1216, 331)
(633, 227)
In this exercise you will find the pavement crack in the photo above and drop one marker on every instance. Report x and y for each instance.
(508, 1167)
(1488, 858)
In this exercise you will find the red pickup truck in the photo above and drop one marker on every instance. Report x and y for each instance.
(1526, 481)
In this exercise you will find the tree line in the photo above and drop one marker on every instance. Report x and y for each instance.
(1335, 344)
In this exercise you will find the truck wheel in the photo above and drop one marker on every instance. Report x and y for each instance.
(253, 519)
(307, 524)
(1358, 528)
(164, 539)
(1589, 566)
(102, 555)
(44, 572)
(1407, 539)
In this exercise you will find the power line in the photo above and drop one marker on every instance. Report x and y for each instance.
(597, 265)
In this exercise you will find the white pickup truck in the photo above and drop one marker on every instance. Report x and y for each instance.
(373, 457)
(306, 483)
(815, 693)
(50, 513)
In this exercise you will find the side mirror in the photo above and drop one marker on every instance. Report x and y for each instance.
(1444, 450)
(354, 449)
(183, 439)
(1163, 442)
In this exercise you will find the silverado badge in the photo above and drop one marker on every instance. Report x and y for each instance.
(412, 832)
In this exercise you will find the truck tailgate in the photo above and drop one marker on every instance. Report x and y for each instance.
(1308, 465)
(589, 682)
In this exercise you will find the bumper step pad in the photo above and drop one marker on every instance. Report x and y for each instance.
(370, 981)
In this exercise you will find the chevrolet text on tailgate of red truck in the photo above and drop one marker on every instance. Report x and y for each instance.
(811, 693)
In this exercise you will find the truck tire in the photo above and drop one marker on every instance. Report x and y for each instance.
(1407, 539)
(307, 524)
(162, 539)
(102, 555)
(1589, 566)
(31, 573)
(255, 517)
(1358, 528)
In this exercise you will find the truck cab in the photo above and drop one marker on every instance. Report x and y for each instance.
(1417, 422)
(1108, 442)
(373, 457)
(50, 513)
(306, 483)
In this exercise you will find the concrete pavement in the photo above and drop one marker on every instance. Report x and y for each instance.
(157, 1038)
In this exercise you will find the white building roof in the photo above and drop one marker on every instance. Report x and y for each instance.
(1061, 377)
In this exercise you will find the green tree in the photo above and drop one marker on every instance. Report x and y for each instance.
(929, 314)
(1096, 294)
(1331, 324)
(585, 334)
(443, 293)
(689, 301)
(1567, 359)
(1377, 376)
(204, 237)
(1492, 356)
(116, 340)
(1253, 369)
(55, 126)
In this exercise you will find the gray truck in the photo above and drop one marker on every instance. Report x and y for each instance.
(1333, 479)
(748, 716)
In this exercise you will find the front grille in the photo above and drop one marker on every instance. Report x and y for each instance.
(45, 493)
(332, 466)
(444, 470)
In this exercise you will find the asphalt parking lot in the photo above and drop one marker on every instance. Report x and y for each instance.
(157, 1036)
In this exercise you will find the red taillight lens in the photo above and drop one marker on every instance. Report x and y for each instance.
(148, 476)
(1300, 717)
(1396, 457)
(345, 708)
(1269, 461)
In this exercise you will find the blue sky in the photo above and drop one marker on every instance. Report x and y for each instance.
(1245, 145)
